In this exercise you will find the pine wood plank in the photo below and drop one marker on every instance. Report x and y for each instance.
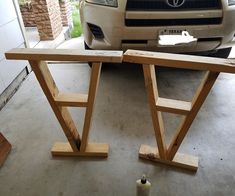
(72, 99)
(5, 148)
(151, 87)
(180, 160)
(180, 61)
(94, 82)
(173, 106)
(92, 150)
(64, 55)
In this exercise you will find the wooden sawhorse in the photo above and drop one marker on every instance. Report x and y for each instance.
(76, 146)
(213, 66)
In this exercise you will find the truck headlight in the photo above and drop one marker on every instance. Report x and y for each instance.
(111, 3)
(231, 2)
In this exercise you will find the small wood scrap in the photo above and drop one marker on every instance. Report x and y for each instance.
(5, 148)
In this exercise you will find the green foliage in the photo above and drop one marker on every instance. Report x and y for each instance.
(75, 4)
(77, 28)
(25, 2)
(22, 2)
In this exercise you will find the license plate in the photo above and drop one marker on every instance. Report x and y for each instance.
(173, 37)
(171, 32)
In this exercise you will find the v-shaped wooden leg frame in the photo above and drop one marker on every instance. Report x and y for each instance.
(76, 146)
(189, 110)
(59, 102)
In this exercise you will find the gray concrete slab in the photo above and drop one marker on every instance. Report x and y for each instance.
(121, 118)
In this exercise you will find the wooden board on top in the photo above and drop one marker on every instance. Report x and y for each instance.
(180, 61)
(65, 55)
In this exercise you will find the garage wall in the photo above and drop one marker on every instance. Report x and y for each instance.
(11, 36)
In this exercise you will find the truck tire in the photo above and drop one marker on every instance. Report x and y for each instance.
(86, 46)
(221, 53)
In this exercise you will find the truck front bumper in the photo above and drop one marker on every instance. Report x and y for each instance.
(117, 35)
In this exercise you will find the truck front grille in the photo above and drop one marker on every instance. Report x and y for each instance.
(172, 22)
(157, 5)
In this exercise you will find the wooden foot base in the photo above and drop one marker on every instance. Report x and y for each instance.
(180, 160)
(92, 150)
(5, 148)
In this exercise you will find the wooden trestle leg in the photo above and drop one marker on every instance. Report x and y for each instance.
(59, 103)
(157, 104)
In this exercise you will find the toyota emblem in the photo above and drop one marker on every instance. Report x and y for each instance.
(175, 3)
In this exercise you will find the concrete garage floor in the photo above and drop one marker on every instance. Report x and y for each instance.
(122, 119)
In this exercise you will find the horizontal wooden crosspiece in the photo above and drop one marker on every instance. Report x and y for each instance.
(180, 61)
(65, 55)
(173, 106)
(72, 99)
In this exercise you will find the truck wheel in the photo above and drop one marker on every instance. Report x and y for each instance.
(87, 48)
(222, 53)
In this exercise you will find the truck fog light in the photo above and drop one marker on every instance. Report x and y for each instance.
(96, 31)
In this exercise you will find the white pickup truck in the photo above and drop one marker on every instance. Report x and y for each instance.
(205, 27)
